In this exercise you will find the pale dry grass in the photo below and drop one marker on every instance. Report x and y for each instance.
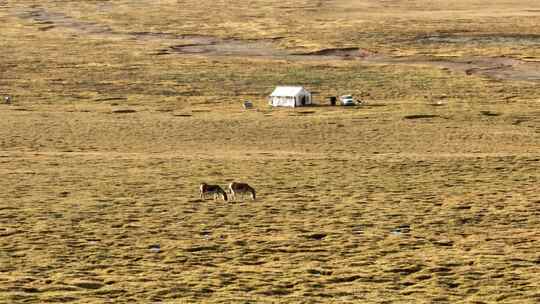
(352, 207)
(428, 193)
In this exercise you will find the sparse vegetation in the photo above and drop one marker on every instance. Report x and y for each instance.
(427, 193)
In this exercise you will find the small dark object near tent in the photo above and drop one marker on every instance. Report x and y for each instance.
(333, 100)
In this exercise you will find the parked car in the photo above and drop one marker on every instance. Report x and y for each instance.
(347, 100)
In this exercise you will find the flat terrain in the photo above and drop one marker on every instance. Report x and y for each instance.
(426, 193)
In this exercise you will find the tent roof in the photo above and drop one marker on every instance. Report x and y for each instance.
(287, 91)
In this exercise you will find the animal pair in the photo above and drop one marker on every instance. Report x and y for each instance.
(235, 189)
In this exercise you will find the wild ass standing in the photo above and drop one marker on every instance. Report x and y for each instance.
(241, 188)
(215, 190)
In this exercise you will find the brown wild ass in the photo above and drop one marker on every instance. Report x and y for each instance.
(215, 190)
(241, 188)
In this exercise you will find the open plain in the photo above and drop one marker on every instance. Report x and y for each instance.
(426, 193)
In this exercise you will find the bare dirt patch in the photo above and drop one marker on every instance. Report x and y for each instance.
(502, 68)
(213, 46)
(525, 39)
(48, 20)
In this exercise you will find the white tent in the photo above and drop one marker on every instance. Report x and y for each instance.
(285, 96)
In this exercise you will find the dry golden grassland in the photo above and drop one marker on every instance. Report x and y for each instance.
(427, 193)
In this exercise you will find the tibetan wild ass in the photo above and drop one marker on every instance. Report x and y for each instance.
(241, 188)
(215, 190)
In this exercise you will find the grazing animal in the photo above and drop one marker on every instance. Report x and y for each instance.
(241, 188)
(215, 190)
